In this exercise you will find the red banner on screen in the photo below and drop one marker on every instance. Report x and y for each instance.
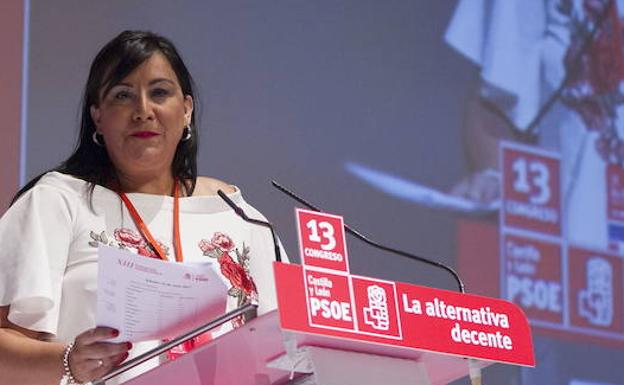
(533, 276)
(531, 191)
(596, 291)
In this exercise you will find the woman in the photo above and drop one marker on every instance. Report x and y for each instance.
(134, 163)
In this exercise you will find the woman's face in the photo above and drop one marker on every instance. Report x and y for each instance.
(142, 119)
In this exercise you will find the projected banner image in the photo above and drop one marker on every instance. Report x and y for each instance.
(559, 227)
(559, 284)
(548, 162)
(540, 217)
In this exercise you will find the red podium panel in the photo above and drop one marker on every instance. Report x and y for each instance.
(428, 319)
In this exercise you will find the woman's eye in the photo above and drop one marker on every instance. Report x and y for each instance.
(122, 95)
(160, 92)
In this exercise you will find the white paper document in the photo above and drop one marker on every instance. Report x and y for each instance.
(147, 299)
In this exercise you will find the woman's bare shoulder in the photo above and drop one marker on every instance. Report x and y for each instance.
(209, 186)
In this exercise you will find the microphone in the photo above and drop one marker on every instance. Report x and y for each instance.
(377, 245)
(241, 213)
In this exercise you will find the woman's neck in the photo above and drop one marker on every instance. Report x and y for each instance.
(161, 184)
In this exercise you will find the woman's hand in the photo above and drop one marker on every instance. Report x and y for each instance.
(92, 356)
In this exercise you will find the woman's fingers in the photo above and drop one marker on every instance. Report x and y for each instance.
(117, 360)
(93, 365)
(99, 367)
(88, 362)
(96, 334)
(92, 356)
(99, 350)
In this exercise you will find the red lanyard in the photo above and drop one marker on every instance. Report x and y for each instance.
(138, 221)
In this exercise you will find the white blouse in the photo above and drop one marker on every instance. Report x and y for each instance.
(49, 240)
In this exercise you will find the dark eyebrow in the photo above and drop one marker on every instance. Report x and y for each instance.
(151, 83)
(159, 80)
(121, 84)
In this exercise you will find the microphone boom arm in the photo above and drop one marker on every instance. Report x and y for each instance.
(377, 245)
(241, 213)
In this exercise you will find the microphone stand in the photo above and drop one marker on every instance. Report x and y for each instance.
(377, 245)
(241, 213)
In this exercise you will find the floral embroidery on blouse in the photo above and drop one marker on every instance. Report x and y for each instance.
(220, 247)
(126, 239)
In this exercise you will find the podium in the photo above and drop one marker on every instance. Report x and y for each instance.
(251, 355)
(424, 336)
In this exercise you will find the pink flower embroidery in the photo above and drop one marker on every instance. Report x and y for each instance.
(145, 251)
(206, 246)
(222, 241)
(129, 238)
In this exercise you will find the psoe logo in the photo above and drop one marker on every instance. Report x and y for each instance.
(595, 302)
(376, 313)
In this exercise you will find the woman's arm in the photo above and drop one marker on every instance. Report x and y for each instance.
(25, 358)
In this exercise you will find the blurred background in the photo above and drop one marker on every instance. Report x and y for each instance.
(390, 113)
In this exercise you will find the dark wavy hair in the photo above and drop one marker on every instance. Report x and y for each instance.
(116, 60)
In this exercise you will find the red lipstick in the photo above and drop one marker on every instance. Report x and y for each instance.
(144, 134)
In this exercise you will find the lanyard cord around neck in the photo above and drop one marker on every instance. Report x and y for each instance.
(147, 235)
